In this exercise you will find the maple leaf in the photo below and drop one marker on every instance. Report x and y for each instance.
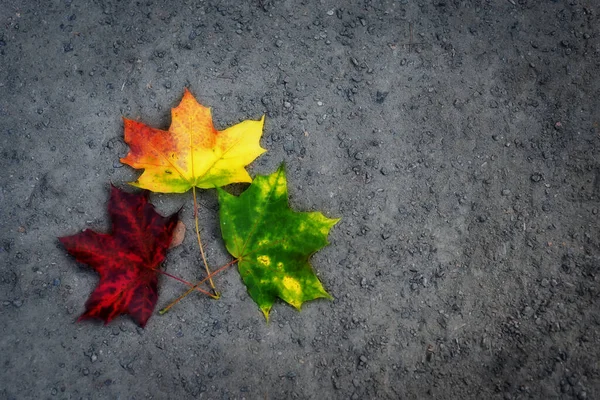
(273, 243)
(192, 153)
(127, 260)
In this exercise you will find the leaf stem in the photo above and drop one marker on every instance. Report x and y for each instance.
(185, 283)
(195, 287)
(212, 285)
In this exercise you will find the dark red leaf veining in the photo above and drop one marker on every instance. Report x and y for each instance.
(127, 259)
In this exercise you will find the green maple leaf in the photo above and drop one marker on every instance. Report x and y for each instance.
(272, 243)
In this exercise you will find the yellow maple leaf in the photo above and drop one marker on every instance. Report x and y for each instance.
(192, 153)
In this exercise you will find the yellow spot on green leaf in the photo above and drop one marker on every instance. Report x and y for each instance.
(264, 260)
(292, 285)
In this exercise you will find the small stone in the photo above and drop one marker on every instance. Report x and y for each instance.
(363, 359)
(331, 12)
(536, 177)
(288, 146)
(287, 104)
(94, 357)
(505, 192)
(279, 43)
(17, 303)
(380, 97)
(573, 380)
(336, 384)
(85, 372)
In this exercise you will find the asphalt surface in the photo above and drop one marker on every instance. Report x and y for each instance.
(458, 141)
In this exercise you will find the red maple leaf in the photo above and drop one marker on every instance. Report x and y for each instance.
(127, 259)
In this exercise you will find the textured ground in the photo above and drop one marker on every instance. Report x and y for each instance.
(459, 141)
